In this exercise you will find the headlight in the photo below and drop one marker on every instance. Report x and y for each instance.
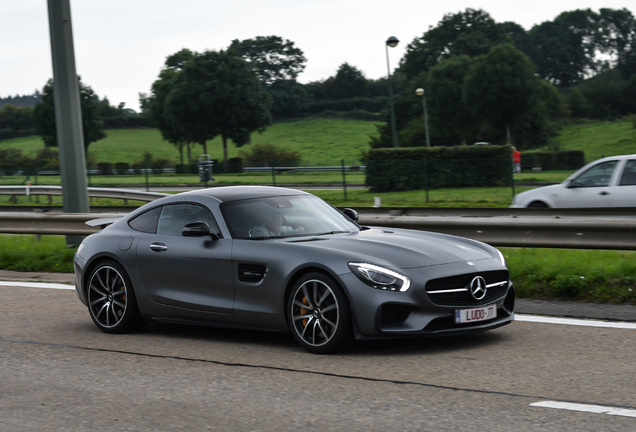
(380, 277)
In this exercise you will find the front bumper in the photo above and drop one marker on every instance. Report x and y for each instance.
(382, 314)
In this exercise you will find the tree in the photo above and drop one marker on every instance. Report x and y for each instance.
(44, 116)
(618, 38)
(564, 49)
(278, 63)
(472, 33)
(349, 82)
(448, 111)
(217, 93)
(289, 98)
(272, 57)
(16, 122)
(154, 105)
(501, 88)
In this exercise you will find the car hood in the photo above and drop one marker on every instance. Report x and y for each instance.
(404, 248)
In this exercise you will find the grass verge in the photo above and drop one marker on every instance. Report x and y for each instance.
(583, 275)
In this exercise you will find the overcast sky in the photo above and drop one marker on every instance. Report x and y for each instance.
(121, 45)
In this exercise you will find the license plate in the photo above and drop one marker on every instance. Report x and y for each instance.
(485, 313)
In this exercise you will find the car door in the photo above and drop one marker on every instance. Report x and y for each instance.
(187, 272)
(624, 193)
(591, 188)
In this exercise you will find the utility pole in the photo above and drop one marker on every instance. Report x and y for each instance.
(68, 114)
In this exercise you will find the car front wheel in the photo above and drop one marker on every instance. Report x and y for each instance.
(318, 314)
(111, 300)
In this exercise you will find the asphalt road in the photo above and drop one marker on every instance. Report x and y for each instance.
(58, 372)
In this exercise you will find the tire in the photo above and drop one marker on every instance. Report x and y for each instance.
(538, 204)
(111, 300)
(318, 314)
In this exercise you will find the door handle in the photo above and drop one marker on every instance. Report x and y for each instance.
(158, 247)
(604, 193)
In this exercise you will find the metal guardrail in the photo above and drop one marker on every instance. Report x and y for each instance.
(94, 192)
(616, 234)
(571, 233)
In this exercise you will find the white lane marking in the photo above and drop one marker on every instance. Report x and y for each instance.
(575, 322)
(39, 285)
(597, 409)
(518, 317)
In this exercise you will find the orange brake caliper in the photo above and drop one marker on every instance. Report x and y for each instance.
(303, 311)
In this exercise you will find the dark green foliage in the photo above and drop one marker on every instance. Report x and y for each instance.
(372, 105)
(472, 33)
(122, 167)
(270, 155)
(423, 168)
(44, 116)
(272, 58)
(216, 94)
(21, 101)
(11, 160)
(16, 122)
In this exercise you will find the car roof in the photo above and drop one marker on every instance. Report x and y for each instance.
(237, 193)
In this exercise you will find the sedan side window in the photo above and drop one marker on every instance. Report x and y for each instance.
(597, 176)
(629, 174)
(175, 216)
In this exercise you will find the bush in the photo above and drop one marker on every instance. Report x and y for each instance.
(122, 167)
(270, 155)
(159, 165)
(10, 160)
(105, 168)
(186, 169)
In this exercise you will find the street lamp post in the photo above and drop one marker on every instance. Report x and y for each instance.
(391, 42)
(421, 92)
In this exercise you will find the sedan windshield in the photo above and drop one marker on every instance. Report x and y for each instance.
(284, 216)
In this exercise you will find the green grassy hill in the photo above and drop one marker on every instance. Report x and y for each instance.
(599, 139)
(323, 141)
(320, 141)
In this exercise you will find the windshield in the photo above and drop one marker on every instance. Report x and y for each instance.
(284, 216)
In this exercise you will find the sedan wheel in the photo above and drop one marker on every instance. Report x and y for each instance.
(319, 314)
(111, 300)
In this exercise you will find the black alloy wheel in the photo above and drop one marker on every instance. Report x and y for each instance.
(318, 314)
(111, 300)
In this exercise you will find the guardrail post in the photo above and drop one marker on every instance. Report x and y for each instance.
(344, 178)
(425, 171)
(273, 166)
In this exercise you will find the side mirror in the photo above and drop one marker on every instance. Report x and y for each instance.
(198, 229)
(351, 214)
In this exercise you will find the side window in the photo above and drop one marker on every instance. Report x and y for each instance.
(597, 176)
(146, 222)
(175, 216)
(629, 174)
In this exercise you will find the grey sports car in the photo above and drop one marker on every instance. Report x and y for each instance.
(284, 260)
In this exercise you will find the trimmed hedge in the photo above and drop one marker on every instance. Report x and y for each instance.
(400, 169)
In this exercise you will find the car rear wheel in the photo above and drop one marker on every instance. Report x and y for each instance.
(318, 314)
(111, 300)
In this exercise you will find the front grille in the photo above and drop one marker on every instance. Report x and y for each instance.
(454, 290)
